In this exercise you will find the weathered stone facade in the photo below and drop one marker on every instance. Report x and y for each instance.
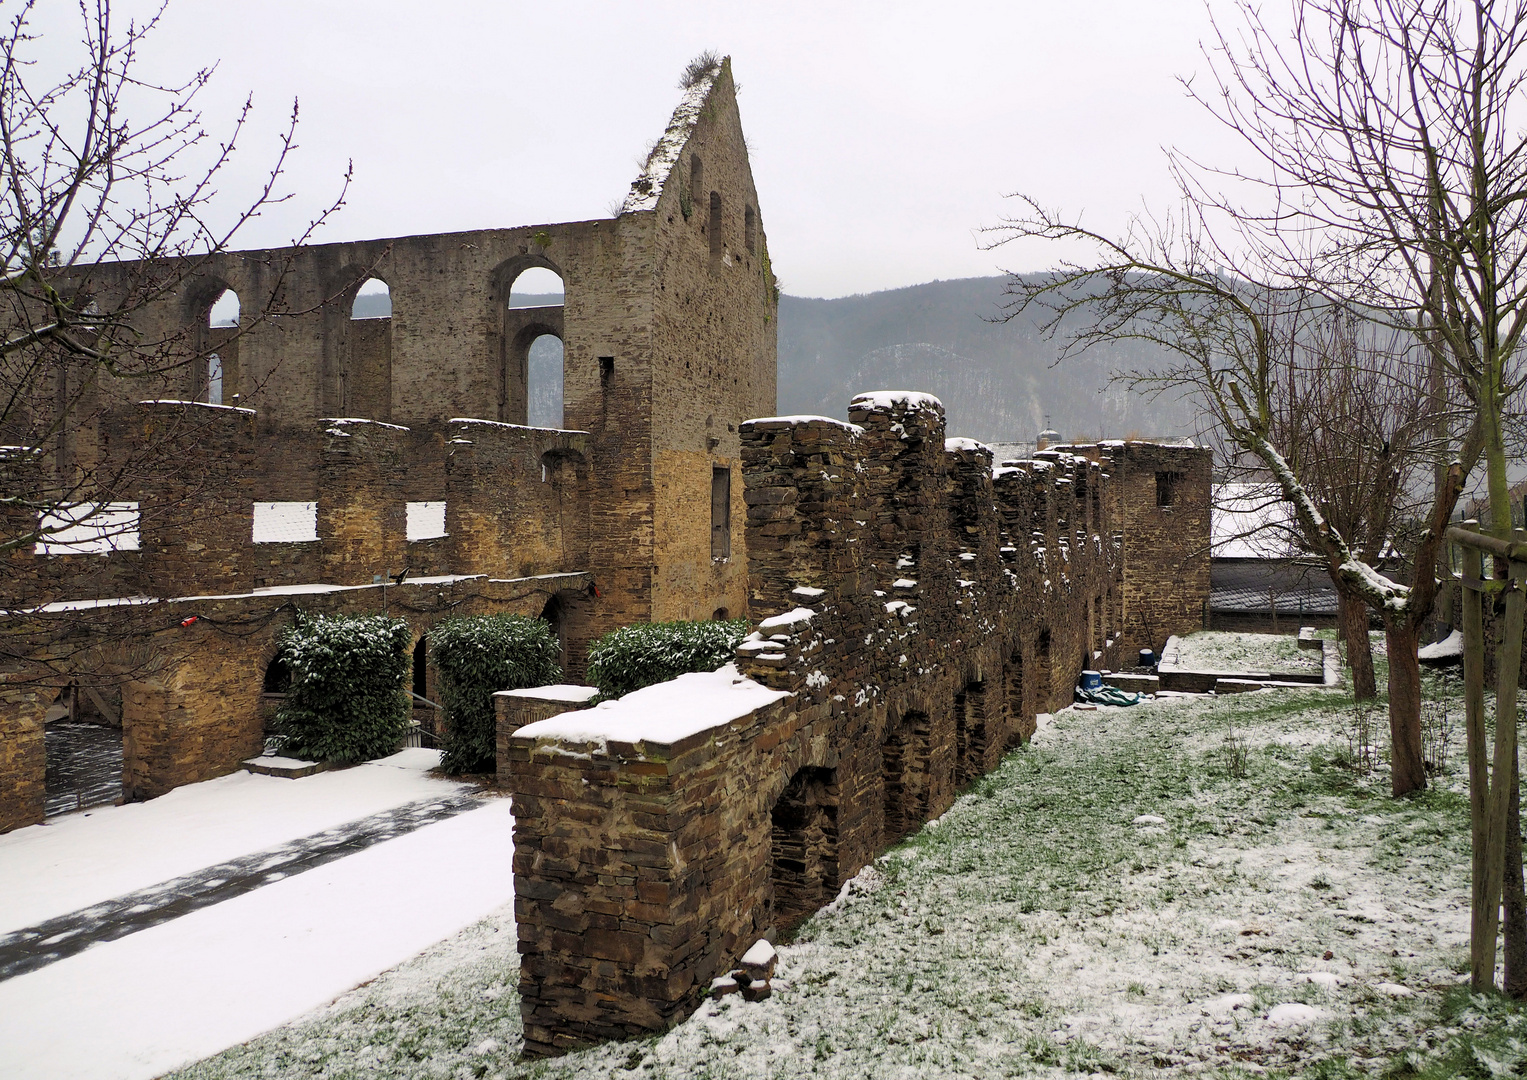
(916, 608)
(631, 511)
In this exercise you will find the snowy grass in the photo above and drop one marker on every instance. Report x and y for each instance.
(1112, 900)
(1221, 650)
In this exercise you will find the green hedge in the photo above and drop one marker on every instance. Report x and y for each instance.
(346, 701)
(636, 656)
(475, 656)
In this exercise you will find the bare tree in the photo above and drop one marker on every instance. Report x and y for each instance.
(1385, 177)
(1358, 435)
(109, 207)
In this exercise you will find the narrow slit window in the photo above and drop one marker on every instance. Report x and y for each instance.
(750, 229)
(721, 513)
(716, 246)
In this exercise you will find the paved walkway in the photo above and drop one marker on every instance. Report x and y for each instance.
(54, 939)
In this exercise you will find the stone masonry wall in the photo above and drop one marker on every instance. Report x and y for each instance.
(191, 672)
(915, 606)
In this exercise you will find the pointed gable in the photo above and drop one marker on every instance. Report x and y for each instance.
(699, 80)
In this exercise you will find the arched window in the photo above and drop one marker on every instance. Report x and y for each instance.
(372, 301)
(531, 381)
(536, 287)
(543, 406)
(224, 310)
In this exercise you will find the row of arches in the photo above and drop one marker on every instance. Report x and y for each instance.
(531, 363)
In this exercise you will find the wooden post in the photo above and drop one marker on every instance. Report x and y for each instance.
(1508, 660)
(1483, 915)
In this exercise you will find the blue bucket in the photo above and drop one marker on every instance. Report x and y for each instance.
(1092, 680)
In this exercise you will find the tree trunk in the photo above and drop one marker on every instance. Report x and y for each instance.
(1353, 614)
(1513, 897)
(1407, 770)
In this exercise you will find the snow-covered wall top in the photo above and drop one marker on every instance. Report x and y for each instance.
(647, 188)
(804, 418)
(891, 399)
(663, 714)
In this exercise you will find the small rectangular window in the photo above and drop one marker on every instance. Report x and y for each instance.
(606, 368)
(426, 520)
(1166, 488)
(721, 513)
(285, 522)
(89, 529)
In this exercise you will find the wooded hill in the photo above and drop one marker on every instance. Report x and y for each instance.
(998, 381)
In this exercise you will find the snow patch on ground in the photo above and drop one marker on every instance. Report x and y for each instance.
(166, 996)
(77, 860)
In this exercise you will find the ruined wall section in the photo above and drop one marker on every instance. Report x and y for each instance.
(517, 504)
(900, 595)
(191, 672)
(714, 355)
(1163, 500)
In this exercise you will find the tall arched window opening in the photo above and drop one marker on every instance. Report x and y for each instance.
(366, 377)
(216, 374)
(531, 380)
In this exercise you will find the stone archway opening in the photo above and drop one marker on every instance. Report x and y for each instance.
(970, 732)
(531, 385)
(803, 853)
(906, 772)
(83, 749)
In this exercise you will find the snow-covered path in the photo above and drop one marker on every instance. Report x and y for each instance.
(82, 859)
(165, 996)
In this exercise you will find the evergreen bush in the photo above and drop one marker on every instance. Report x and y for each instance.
(475, 656)
(646, 653)
(346, 700)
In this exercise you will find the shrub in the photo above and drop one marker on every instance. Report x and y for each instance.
(475, 656)
(346, 700)
(636, 656)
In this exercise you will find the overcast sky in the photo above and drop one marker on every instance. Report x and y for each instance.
(884, 135)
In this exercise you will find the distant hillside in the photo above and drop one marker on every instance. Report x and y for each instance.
(998, 381)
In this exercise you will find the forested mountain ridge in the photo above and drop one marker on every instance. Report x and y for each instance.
(998, 381)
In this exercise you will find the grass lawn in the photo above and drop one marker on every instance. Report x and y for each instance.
(1194, 886)
(1223, 650)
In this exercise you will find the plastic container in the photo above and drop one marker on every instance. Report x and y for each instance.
(1092, 680)
(1148, 658)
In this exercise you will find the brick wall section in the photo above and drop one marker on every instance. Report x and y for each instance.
(917, 605)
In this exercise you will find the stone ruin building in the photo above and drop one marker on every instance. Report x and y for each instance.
(916, 603)
(345, 450)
